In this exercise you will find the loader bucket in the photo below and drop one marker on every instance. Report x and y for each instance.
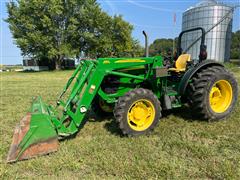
(34, 135)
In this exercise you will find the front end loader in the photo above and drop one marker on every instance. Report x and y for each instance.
(134, 90)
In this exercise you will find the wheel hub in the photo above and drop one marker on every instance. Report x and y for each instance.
(220, 96)
(215, 95)
(141, 115)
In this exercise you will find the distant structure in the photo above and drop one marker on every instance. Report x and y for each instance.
(33, 64)
(216, 18)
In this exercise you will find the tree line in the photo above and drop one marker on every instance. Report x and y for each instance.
(56, 29)
(235, 47)
(163, 46)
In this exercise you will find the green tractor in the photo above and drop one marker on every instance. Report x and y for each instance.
(134, 90)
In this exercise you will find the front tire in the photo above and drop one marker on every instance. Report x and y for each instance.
(137, 112)
(213, 93)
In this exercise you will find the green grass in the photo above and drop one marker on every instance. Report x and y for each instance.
(179, 148)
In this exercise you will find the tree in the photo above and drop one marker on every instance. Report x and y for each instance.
(55, 29)
(137, 49)
(235, 47)
(161, 47)
(122, 41)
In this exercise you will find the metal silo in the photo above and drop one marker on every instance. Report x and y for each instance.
(216, 19)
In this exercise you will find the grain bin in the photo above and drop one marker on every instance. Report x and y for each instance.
(216, 18)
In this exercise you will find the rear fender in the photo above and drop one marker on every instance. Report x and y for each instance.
(191, 72)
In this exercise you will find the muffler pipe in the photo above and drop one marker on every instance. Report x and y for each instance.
(146, 44)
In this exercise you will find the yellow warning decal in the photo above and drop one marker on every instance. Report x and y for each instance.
(106, 62)
(130, 61)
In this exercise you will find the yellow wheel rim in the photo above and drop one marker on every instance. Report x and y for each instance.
(141, 115)
(220, 96)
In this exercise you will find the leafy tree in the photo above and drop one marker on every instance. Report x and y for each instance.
(55, 29)
(235, 47)
(137, 49)
(161, 47)
(122, 40)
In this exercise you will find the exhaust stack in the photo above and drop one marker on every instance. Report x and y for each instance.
(146, 44)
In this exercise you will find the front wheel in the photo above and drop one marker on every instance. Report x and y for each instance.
(137, 112)
(213, 93)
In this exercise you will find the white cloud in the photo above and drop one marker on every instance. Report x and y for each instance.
(153, 8)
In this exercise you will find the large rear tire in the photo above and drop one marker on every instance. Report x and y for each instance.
(137, 112)
(212, 93)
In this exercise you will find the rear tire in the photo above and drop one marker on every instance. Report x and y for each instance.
(212, 93)
(137, 112)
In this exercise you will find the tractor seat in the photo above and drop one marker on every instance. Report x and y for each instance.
(181, 63)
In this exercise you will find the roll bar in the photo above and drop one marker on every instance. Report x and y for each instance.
(179, 48)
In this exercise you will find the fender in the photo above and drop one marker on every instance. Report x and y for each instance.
(191, 72)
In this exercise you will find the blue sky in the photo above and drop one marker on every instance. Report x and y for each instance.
(154, 16)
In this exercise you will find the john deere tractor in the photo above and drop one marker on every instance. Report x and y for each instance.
(134, 90)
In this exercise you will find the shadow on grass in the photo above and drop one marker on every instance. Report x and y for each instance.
(183, 113)
(92, 117)
(50, 70)
(112, 126)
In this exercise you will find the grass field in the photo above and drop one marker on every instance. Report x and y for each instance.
(179, 148)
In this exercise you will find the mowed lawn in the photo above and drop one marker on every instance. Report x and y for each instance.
(179, 148)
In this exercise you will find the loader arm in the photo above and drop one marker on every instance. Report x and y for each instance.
(88, 78)
(39, 131)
